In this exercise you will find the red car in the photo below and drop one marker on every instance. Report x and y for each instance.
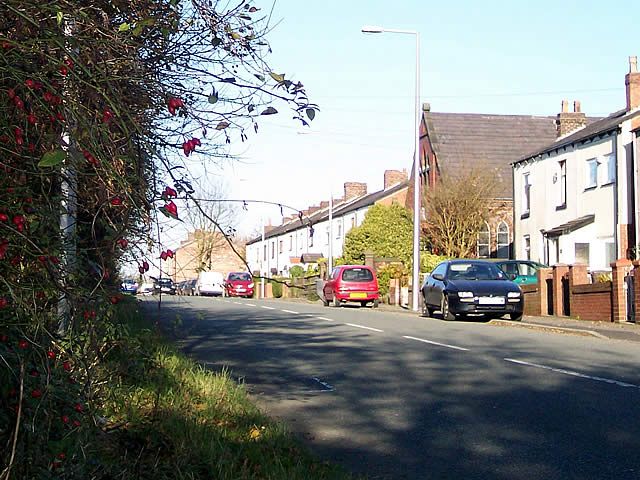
(351, 283)
(239, 284)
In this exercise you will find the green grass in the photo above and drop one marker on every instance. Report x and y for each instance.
(169, 418)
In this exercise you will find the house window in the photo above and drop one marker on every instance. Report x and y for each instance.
(610, 253)
(257, 254)
(527, 247)
(265, 253)
(610, 162)
(503, 240)
(592, 174)
(526, 194)
(326, 240)
(353, 221)
(484, 241)
(273, 249)
(280, 246)
(339, 231)
(311, 236)
(582, 253)
(562, 185)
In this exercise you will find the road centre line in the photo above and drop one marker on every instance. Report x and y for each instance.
(362, 326)
(249, 304)
(289, 311)
(431, 342)
(325, 318)
(572, 373)
(267, 308)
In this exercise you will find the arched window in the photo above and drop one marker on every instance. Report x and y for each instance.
(503, 240)
(484, 241)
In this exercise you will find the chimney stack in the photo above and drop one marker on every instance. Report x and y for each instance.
(632, 82)
(354, 189)
(393, 177)
(568, 122)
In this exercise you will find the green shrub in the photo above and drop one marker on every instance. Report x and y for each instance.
(276, 287)
(296, 271)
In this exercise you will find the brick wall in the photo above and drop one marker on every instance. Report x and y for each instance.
(531, 300)
(591, 302)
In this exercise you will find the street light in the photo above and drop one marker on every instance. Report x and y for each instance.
(416, 162)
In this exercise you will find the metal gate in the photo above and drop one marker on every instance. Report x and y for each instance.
(629, 289)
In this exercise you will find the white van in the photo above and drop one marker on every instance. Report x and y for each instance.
(210, 283)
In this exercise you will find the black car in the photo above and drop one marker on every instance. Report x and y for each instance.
(461, 287)
(164, 285)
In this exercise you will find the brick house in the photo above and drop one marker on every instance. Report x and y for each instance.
(294, 242)
(576, 198)
(189, 258)
(451, 142)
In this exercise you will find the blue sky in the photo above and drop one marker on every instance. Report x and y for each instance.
(504, 57)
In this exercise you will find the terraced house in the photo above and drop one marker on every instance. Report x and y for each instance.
(303, 241)
(576, 198)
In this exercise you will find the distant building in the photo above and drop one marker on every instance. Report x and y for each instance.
(304, 239)
(205, 251)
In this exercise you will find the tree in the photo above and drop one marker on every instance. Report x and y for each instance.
(387, 231)
(457, 208)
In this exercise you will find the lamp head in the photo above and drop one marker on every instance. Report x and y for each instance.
(372, 29)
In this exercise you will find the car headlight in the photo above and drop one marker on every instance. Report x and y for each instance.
(250, 285)
(513, 294)
(465, 294)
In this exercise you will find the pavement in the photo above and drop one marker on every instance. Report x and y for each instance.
(626, 331)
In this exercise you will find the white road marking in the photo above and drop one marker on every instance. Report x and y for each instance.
(325, 318)
(238, 303)
(289, 311)
(573, 374)
(268, 308)
(436, 343)
(249, 304)
(362, 326)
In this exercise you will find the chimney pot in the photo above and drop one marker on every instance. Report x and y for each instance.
(633, 64)
(632, 82)
(565, 106)
(576, 106)
(426, 107)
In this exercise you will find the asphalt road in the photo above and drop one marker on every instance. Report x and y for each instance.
(397, 396)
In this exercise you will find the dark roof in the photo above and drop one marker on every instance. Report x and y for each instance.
(310, 257)
(598, 127)
(464, 140)
(570, 226)
(338, 210)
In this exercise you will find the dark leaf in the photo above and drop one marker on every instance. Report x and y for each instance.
(269, 111)
(311, 113)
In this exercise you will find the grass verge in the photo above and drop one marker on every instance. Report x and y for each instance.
(165, 417)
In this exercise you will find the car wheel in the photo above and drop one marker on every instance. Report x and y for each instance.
(444, 308)
(325, 302)
(516, 317)
(336, 302)
(376, 302)
(363, 303)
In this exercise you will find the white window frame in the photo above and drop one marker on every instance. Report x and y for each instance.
(610, 162)
(562, 183)
(526, 193)
(339, 230)
(591, 174)
(506, 245)
(526, 240)
(487, 231)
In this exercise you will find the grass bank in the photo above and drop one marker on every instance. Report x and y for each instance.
(166, 417)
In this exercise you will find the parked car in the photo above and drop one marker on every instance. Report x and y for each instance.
(525, 272)
(351, 283)
(129, 286)
(189, 287)
(461, 287)
(239, 284)
(147, 288)
(164, 285)
(210, 283)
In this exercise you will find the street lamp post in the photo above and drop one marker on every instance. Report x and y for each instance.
(416, 163)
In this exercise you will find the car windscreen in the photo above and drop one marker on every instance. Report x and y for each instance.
(165, 282)
(240, 276)
(475, 271)
(357, 275)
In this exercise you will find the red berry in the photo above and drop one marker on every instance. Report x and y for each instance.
(4, 338)
(4, 217)
(66, 365)
(23, 344)
(3, 302)
(36, 393)
(64, 70)
(61, 456)
(116, 201)
(51, 354)
(78, 407)
(76, 423)
(29, 83)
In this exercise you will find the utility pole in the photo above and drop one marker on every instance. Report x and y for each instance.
(263, 253)
(330, 260)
